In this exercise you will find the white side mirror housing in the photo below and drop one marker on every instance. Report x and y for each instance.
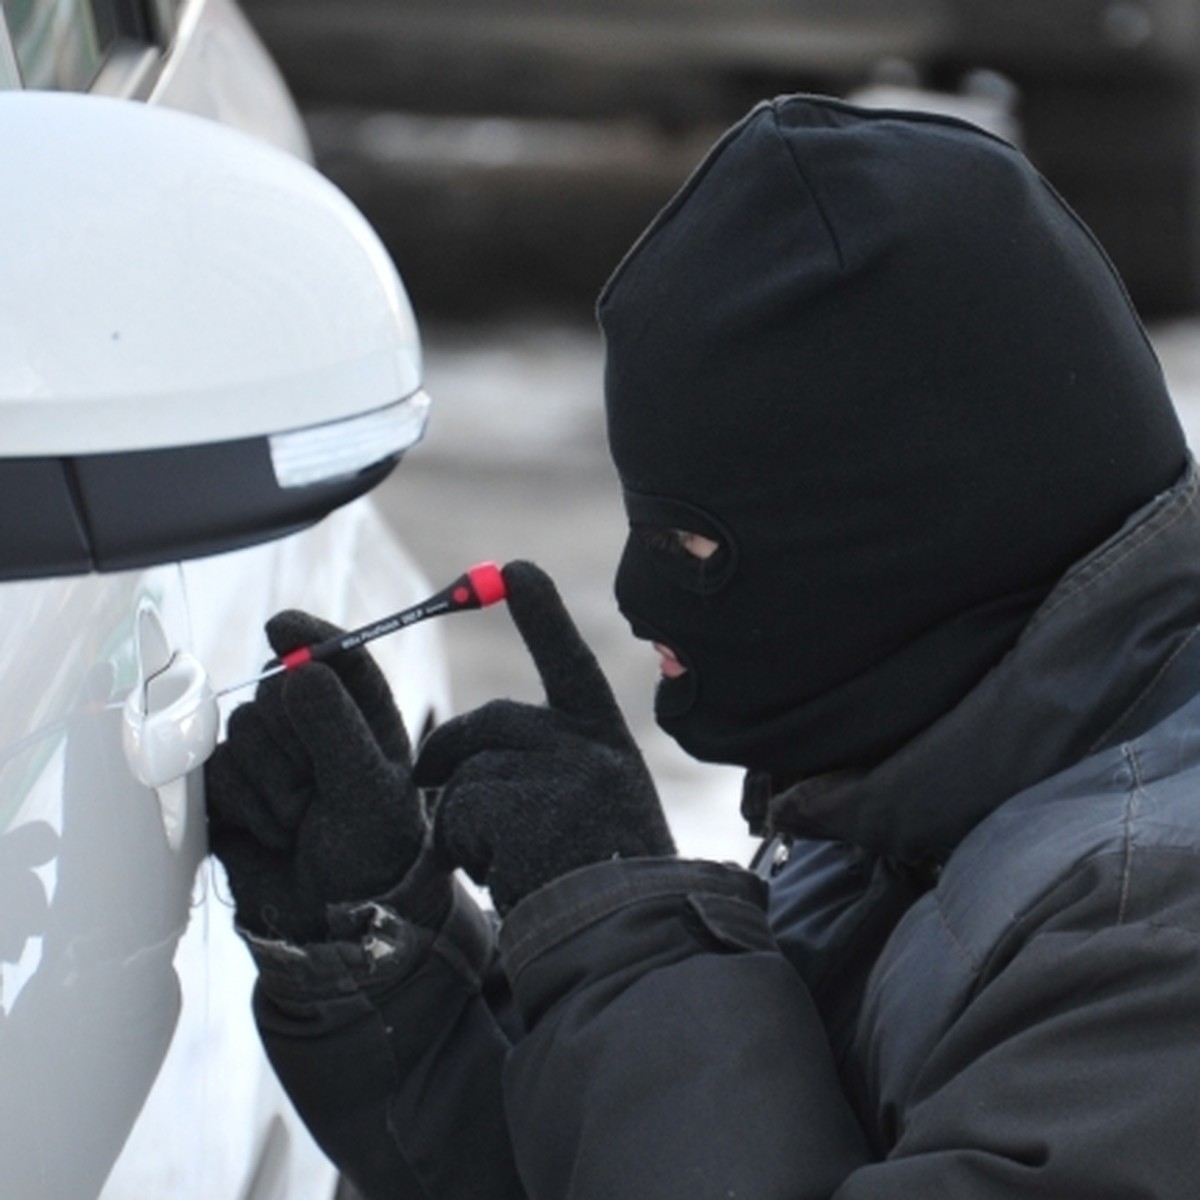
(202, 342)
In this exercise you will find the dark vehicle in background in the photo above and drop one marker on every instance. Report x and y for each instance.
(528, 140)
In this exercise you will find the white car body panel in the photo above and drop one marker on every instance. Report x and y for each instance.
(77, 1061)
(280, 271)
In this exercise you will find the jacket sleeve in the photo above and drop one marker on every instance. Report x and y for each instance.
(671, 1051)
(390, 1041)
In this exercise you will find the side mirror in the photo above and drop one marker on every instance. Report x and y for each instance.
(203, 344)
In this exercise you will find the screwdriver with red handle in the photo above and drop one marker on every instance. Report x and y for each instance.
(478, 587)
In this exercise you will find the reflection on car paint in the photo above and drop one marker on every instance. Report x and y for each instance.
(88, 995)
(103, 971)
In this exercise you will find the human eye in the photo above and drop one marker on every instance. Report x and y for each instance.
(678, 543)
(696, 544)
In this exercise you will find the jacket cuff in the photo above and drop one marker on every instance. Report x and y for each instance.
(375, 944)
(718, 904)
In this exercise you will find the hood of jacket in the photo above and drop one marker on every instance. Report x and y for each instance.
(1106, 656)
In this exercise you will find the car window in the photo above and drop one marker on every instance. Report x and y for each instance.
(58, 44)
(165, 14)
(63, 44)
(10, 75)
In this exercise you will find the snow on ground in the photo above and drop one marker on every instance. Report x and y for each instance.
(1178, 346)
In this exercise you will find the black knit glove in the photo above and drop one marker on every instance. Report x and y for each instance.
(310, 797)
(532, 792)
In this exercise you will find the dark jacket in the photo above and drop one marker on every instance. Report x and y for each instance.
(976, 974)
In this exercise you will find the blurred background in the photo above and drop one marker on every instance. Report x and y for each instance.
(509, 151)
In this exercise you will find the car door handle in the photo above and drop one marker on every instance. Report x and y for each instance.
(170, 721)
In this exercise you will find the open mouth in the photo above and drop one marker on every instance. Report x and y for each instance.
(669, 664)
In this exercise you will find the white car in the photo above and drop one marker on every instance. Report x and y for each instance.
(204, 350)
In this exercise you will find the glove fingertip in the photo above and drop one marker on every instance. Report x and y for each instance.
(524, 573)
(291, 628)
(529, 589)
(356, 669)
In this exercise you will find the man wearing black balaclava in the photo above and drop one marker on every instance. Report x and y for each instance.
(913, 530)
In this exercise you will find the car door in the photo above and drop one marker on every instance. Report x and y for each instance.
(93, 896)
(214, 1101)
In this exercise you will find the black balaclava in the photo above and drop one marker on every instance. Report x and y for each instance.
(876, 357)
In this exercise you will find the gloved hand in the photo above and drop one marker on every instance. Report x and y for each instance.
(310, 797)
(532, 792)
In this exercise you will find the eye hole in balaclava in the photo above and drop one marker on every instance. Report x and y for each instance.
(674, 544)
(662, 529)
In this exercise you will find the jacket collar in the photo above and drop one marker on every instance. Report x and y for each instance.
(1091, 665)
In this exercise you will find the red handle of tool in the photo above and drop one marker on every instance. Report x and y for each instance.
(482, 585)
